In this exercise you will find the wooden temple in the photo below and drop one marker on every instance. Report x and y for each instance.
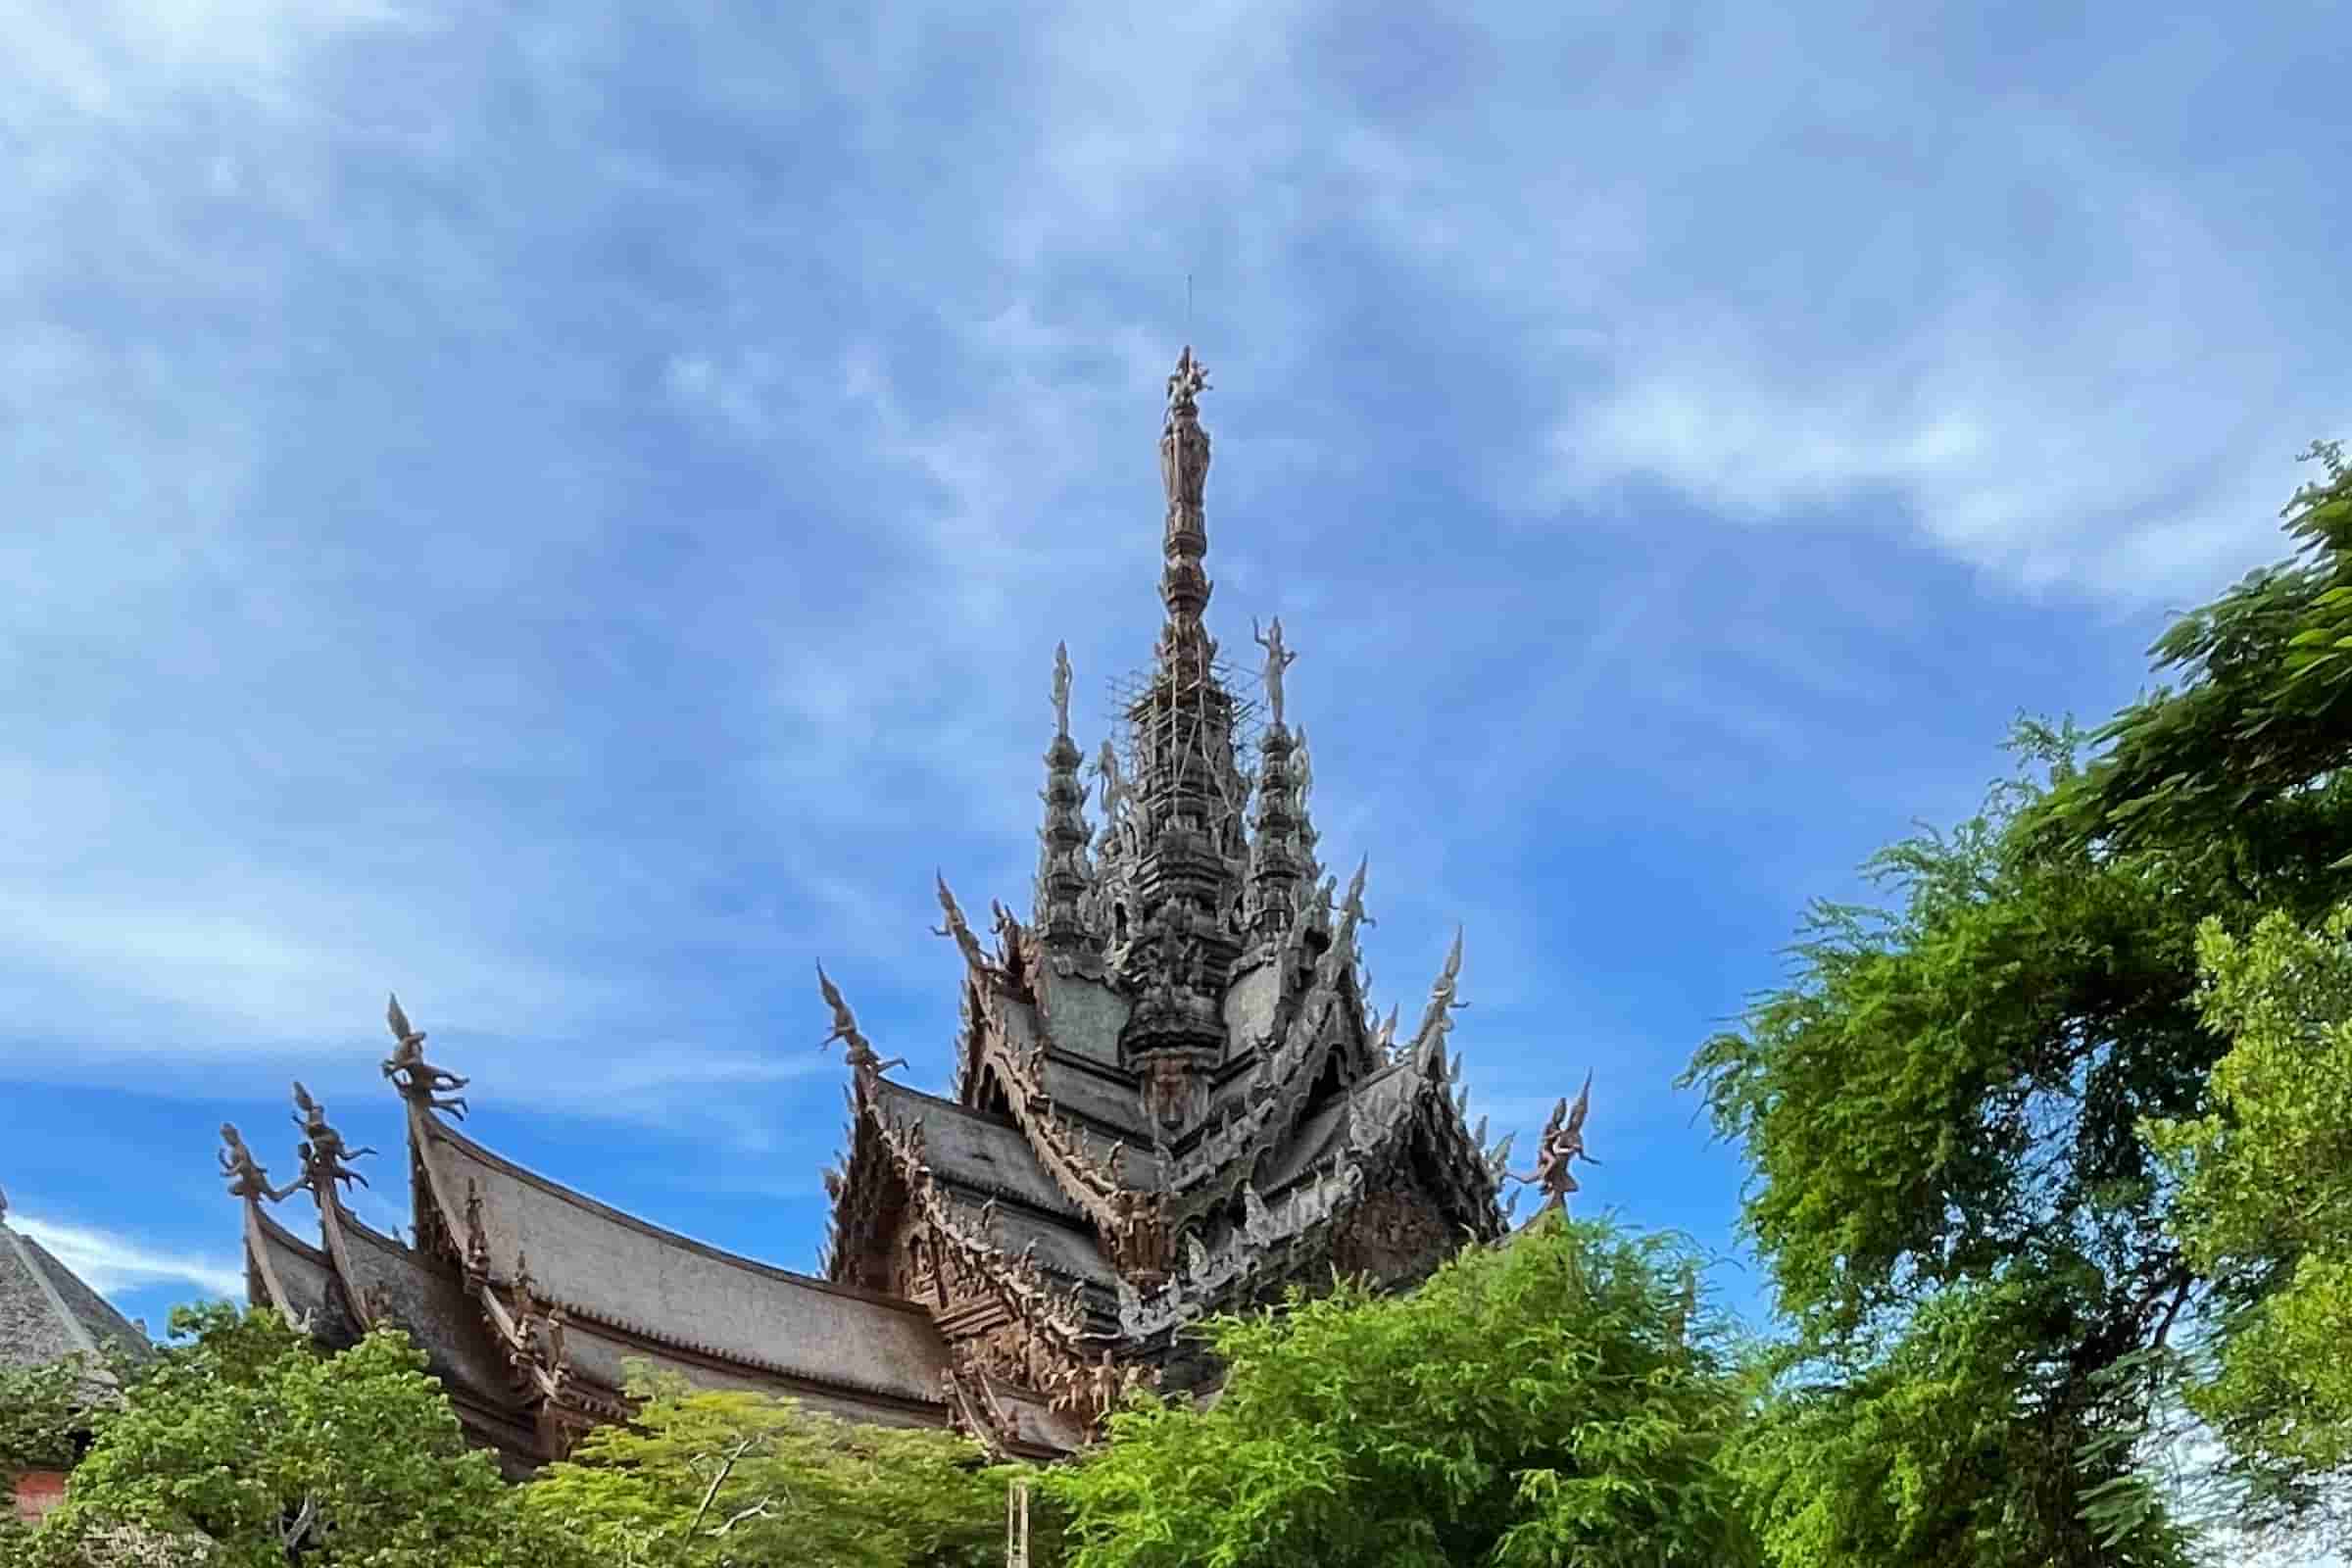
(1171, 1098)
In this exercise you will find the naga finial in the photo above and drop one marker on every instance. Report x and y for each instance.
(1352, 906)
(960, 929)
(862, 1055)
(419, 1081)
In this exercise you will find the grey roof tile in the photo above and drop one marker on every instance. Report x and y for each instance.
(601, 1263)
(46, 1313)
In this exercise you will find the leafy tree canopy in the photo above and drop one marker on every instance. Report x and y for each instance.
(2266, 1198)
(245, 1448)
(745, 1479)
(41, 1409)
(1556, 1401)
(2266, 708)
(1943, 1109)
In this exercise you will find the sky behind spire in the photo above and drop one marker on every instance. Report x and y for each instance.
(565, 512)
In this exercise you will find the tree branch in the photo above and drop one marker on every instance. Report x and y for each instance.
(743, 1446)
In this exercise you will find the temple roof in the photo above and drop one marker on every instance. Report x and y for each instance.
(285, 1272)
(601, 1263)
(978, 1154)
(47, 1313)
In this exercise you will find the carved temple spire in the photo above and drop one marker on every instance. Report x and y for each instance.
(1064, 876)
(1282, 838)
(1179, 908)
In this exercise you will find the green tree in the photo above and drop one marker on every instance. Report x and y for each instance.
(245, 1448)
(698, 1480)
(42, 1409)
(1943, 1108)
(2264, 710)
(1559, 1399)
(2265, 1199)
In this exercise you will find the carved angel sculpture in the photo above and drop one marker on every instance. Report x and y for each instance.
(862, 1055)
(417, 1080)
(1115, 787)
(246, 1177)
(1061, 687)
(326, 1157)
(1563, 1143)
(1278, 659)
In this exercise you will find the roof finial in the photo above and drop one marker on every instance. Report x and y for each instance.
(865, 1060)
(1563, 1143)
(1061, 687)
(419, 1081)
(1183, 469)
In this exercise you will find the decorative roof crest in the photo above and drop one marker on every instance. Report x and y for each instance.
(861, 1057)
(1563, 1143)
(247, 1179)
(326, 1157)
(419, 1081)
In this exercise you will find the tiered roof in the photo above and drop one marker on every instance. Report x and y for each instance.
(1170, 1098)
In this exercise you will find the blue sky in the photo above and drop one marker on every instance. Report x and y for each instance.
(564, 512)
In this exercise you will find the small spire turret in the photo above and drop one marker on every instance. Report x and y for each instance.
(1064, 876)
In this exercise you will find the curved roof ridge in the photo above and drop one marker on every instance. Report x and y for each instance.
(605, 1211)
(278, 1233)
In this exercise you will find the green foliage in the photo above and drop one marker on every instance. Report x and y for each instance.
(1943, 1112)
(244, 1448)
(41, 1408)
(1983, 1257)
(1953, 1090)
(2265, 1194)
(743, 1479)
(2267, 707)
(1535, 1403)
(1941, 1453)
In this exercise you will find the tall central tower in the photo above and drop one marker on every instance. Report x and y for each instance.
(1178, 867)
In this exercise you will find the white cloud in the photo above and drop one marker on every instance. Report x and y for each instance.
(108, 1261)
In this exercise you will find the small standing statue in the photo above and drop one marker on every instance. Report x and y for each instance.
(1061, 687)
(246, 1177)
(1115, 791)
(1182, 444)
(1302, 766)
(863, 1060)
(419, 1081)
(1563, 1143)
(1107, 1385)
(326, 1159)
(1278, 659)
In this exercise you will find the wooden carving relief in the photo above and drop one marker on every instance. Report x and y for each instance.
(1394, 1237)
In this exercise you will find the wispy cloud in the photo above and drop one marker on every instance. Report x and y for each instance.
(109, 1262)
